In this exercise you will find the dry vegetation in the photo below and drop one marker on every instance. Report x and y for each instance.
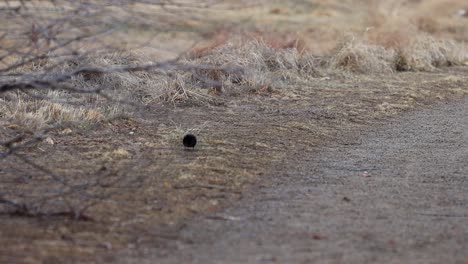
(92, 129)
(394, 37)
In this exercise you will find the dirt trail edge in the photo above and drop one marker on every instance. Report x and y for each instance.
(396, 194)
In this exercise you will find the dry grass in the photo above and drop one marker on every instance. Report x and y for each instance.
(36, 109)
(243, 68)
(357, 56)
(253, 67)
(384, 37)
(422, 52)
(427, 53)
(411, 31)
(33, 113)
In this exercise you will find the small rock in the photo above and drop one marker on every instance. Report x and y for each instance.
(121, 152)
(462, 13)
(131, 246)
(318, 237)
(66, 131)
(106, 245)
(365, 174)
(49, 141)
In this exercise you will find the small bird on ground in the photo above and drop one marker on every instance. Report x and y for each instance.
(190, 141)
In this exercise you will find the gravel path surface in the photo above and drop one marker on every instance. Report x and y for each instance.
(397, 194)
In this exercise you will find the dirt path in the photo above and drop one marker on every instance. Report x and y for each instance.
(397, 194)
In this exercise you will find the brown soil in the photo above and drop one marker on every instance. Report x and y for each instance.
(242, 142)
(396, 193)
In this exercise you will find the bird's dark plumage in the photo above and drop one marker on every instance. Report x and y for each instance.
(190, 141)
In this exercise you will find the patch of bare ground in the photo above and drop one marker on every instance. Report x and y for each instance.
(239, 141)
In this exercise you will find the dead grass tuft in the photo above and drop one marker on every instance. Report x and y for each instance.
(254, 65)
(33, 113)
(121, 85)
(416, 32)
(386, 51)
(357, 56)
(427, 53)
(419, 51)
(36, 109)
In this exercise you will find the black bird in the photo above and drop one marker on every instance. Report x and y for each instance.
(190, 141)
